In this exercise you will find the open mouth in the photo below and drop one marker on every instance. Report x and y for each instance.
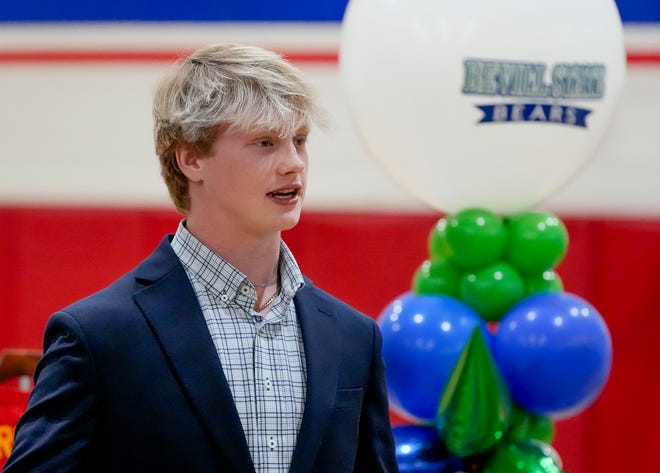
(284, 194)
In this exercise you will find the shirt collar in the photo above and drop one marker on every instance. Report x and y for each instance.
(223, 280)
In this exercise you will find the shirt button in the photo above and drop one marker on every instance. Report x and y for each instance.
(224, 297)
(258, 319)
(272, 443)
(245, 290)
(268, 384)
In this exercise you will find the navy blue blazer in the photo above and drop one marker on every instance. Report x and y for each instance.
(130, 381)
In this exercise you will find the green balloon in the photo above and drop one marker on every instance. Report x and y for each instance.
(474, 408)
(541, 428)
(492, 290)
(527, 425)
(537, 241)
(547, 281)
(477, 237)
(437, 241)
(523, 456)
(436, 276)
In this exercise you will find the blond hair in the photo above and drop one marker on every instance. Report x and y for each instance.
(229, 86)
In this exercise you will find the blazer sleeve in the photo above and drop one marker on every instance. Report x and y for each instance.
(54, 433)
(376, 449)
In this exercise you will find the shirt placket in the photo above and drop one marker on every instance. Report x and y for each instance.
(267, 400)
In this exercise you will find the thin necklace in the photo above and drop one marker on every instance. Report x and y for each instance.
(268, 302)
(267, 284)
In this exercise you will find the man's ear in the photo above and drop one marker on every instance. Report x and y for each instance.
(187, 157)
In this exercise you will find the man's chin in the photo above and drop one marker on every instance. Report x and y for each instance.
(290, 220)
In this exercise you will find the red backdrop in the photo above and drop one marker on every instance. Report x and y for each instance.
(53, 256)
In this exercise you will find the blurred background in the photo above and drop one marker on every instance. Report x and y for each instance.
(81, 200)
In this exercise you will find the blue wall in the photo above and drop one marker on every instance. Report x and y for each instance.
(224, 10)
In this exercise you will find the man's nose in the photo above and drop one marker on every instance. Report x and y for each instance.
(294, 159)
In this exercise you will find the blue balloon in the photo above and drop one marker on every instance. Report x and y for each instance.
(419, 449)
(423, 336)
(555, 352)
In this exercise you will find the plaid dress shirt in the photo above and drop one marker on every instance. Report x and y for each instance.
(262, 356)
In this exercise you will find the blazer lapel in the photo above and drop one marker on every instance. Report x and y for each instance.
(169, 304)
(321, 339)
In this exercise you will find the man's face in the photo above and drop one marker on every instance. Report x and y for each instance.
(254, 180)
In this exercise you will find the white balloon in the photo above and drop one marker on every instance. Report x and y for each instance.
(548, 75)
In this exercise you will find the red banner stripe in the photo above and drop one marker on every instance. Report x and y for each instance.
(168, 56)
(635, 58)
(140, 56)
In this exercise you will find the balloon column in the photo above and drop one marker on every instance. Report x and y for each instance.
(488, 348)
(482, 109)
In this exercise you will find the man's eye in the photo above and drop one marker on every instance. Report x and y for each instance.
(265, 143)
(300, 140)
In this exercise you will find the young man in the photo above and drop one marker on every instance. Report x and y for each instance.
(215, 354)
